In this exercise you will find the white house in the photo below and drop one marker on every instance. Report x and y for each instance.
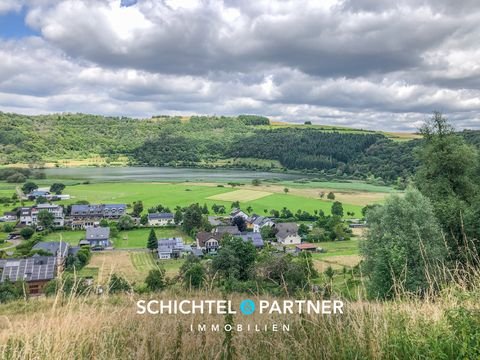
(55, 210)
(161, 219)
(237, 212)
(287, 233)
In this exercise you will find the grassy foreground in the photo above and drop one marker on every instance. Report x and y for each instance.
(107, 327)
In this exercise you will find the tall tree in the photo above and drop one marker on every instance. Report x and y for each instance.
(152, 243)
(404, 248)
(447, 175)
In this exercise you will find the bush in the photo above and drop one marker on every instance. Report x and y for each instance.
(27, 232)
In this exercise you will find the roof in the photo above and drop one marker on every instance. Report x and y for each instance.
(39, 193)
(154, 216)
(171, 243)
(53, 247)
(47, 206)
(286, 229)
(97, 233)
(203, 236)
(233, 230)
(164, 250)
(255, 238)
(215, 220)
(31, 269)
(96, 209)
(305, 246)
(236, 212)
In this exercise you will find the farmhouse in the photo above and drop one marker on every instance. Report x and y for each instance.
(160, 219)
(35, 194)
(256, 222)
(36, 271)
(305, 247)
(97, 237)
(83, 216)
(237, 212)
(287, 233)
(207, 241)
(170, 248)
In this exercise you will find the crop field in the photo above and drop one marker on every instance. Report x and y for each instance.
(145, 261)
(71, 237)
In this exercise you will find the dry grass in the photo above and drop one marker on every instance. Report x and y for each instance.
(107, 327)
(119, 262)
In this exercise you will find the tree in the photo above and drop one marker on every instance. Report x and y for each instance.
(240, 223)
(125, 223)
(28, 187)
(10, 291)
(286, 190)
(192, 272)
(337, 209)
(137, 208)
(152, 242)
(57, 188)
(118, 284)
(41, 200)
(155, 279)
(103, 223)
(27, 232)
(46, 219)
(178, 217)
(205, 209)
(404, 248)
(235, 258)
(144, 219)
(192, 218)
(235, 204)
(249, 209)
(447, 175)
(331, 196)
(256, 182)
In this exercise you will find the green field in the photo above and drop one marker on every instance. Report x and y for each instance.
(137, 239)
(172, 195)
(71, 237)
(145, 261)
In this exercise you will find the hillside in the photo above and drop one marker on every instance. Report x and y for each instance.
(245, 141)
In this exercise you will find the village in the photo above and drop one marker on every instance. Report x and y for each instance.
(46, 259)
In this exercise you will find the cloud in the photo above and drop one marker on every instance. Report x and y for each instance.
(372, 64)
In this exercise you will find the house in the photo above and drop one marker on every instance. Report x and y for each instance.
(305, 247)
(97, 237)
(257, 222)
(255, 238)
(216, 221)
(29, 216)
(170, 248)
(35, 194)
(26, 216)
(194, 251)
(160, 219)
(221, 230)
(237, 212)
(9, 216)
(287, 233)
(55, 210)
(83, 216)
(59, 249)
(36, 271)
(207, 241)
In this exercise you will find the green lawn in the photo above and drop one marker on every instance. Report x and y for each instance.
(71, 237)
(345, 186)
(338, 248)
(138, 238)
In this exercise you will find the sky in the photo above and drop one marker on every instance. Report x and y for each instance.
(372, 64)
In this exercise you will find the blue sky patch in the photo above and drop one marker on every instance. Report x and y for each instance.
(12, 25)
(127, 3)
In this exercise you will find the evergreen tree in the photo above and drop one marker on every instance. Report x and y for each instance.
(152, 242)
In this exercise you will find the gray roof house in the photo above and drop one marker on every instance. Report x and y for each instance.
(56, 248)
(232, 230)
(97, 237)
(170, 248)
(287, 233)
(160, 219)
(254, 237)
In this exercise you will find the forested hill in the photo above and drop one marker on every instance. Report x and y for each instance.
(248, 141)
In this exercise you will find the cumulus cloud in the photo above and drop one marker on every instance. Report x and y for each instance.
(372, 64)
